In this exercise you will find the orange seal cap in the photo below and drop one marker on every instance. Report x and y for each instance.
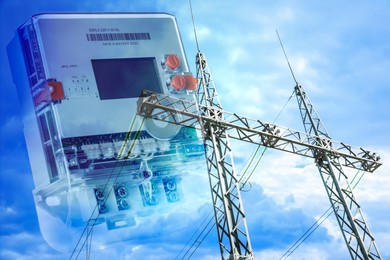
(172, 61)
(190, 82)
(178, 82)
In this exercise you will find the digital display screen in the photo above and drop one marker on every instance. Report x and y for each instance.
(125, 78)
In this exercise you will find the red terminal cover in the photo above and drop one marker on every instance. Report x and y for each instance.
(178, 82)
(56, 90)
(172, 61)
(190, 82)
(52, 91)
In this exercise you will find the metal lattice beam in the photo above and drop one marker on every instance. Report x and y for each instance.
(358, 238)
(181, 112)
(229, 213)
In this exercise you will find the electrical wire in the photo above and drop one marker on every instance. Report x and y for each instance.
(208, 232)
(249, 163)
(308, 232)
(285, 55)
(193, 25)
(193, 235)
(319, 221)
(200, 235)
(360, 178)
(255, 167)
(258, 148)
(89, 245)
(284, 106)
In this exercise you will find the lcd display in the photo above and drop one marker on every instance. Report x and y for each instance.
(125, 78)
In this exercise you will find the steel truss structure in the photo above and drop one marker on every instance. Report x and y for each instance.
(217, 126)
(357, 236)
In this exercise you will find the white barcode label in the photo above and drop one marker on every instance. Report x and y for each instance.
(117, 36)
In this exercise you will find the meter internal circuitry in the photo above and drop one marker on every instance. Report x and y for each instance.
(91, 156)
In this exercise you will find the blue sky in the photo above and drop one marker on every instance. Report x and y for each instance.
(340, 53)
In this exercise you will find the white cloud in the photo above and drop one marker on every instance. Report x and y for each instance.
(338, 51)
(26, 246)
(11, 125)
(8, 211)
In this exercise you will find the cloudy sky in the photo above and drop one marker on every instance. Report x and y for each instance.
(340, 53)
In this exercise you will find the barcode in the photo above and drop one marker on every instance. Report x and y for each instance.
(117, 36)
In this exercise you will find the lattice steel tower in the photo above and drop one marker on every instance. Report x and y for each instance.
(218, 126)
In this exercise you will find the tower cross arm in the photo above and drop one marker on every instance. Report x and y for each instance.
(181, 112)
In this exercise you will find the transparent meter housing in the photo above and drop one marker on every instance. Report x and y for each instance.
(94, 161)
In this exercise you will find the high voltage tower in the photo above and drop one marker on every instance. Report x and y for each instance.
(218, 126)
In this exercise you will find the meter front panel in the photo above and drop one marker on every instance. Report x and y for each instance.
(91, 156)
